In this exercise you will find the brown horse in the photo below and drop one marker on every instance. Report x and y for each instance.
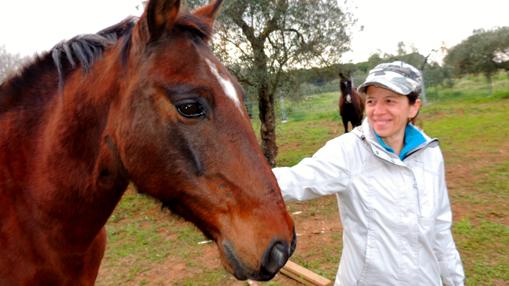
(351, 104)
(143, 102)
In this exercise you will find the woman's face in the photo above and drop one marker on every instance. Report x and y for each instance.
(389, 112)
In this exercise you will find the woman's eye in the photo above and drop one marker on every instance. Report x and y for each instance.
(191, 109)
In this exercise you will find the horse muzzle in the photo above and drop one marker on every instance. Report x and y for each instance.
(274, 258)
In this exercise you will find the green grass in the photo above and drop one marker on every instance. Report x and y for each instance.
(484, 251)
(472, 88)
(141, 235)
(472, 127)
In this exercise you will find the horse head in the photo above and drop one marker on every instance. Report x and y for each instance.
(345, 86)
(351, 104)
(183, 136)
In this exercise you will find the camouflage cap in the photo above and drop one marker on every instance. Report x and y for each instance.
(397, 76)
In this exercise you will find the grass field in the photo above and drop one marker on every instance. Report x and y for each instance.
(148, 246)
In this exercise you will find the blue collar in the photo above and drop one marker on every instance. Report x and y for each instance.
(413, 138)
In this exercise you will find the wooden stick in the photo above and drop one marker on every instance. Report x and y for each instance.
(303, 275)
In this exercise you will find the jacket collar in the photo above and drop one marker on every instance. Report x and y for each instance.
(367, 134)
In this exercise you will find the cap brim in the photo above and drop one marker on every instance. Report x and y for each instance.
(384, 83)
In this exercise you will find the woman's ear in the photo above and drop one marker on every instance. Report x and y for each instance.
(414, 108)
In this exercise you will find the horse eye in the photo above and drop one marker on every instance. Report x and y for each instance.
(191, 109)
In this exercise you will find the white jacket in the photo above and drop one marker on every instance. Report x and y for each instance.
(396, 214)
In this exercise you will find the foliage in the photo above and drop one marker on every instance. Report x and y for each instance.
(434, 74)
(9, 63)
(291, 34)
(262, 39)
(483, 52)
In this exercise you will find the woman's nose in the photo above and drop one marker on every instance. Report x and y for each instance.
(378, 108)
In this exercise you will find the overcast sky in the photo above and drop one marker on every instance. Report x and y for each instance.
(425, 24)
(30, 26)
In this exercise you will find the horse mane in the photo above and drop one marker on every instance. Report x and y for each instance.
(83, 51)
(67, 56)
(88, 48)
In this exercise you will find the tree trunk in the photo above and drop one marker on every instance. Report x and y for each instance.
(490, 84)
(268, 123)
(267, 112)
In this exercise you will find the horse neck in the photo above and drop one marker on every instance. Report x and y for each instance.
(77, 175)
(23, 99)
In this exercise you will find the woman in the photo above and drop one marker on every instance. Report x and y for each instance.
(389, 179)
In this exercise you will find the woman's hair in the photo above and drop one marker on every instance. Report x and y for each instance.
(412, 97)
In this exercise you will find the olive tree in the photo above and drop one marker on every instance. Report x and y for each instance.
(9, 63)
(484, 52)
(261, 40)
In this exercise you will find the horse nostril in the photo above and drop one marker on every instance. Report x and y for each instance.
(275, 258)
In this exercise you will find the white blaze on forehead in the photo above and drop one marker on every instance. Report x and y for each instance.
(227, 85)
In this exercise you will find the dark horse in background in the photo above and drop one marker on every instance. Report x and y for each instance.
(351, 104)
(144, 101)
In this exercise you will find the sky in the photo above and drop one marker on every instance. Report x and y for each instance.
(34, 26)
(427, 25)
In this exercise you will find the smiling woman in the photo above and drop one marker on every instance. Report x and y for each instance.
(389, 179)
(144, 101)
(389, 113)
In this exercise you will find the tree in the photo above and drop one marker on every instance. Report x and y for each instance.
(260, 40)
(483, 52)
(9, 63)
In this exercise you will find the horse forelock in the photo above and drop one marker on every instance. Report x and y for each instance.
(195, 25)
(346, 86)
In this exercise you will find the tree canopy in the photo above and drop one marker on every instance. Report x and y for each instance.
(259, 40)
(8, 63)
(483, 52)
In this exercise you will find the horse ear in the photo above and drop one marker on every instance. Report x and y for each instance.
(159, 17)
(208, 13)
